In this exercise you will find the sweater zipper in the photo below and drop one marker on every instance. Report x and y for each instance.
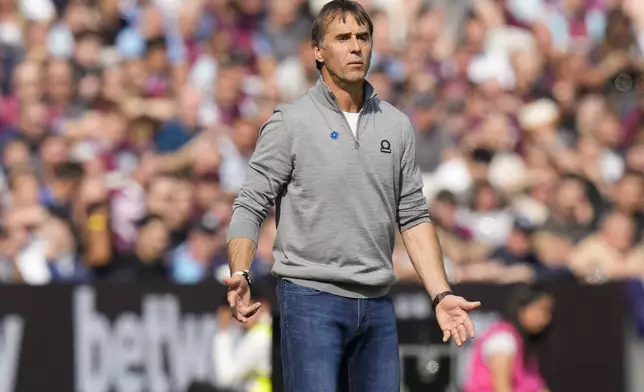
(356, 137)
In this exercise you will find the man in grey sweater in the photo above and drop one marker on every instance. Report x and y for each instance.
(340, 165)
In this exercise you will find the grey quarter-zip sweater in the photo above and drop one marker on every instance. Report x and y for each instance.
(339, 198)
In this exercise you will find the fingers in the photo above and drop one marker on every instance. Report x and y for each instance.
(462, 333)
(446, 336)
(470, 305)
(456, 336)
(470, 328)
(232, 297)
(238, 316)
(249, 311)
(240, 312)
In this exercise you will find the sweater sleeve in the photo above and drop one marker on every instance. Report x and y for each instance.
(268, 173)
(412, 205)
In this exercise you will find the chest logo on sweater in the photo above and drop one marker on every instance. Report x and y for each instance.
(334, 135)
(385, 147)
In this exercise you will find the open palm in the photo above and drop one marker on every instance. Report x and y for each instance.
(451, 313)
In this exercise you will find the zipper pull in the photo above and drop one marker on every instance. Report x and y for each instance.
(356, 144)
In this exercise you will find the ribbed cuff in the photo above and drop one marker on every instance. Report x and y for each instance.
(243, 230)
(414, 223)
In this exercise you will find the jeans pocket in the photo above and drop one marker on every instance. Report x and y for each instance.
(296, 289)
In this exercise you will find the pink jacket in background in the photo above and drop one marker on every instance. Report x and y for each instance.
(524, 379)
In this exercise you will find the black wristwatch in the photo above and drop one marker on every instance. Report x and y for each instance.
(246, 275)
(439, 298)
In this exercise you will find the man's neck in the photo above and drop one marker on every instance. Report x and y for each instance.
(350, 97)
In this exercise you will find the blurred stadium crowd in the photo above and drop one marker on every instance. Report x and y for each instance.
(126, 127)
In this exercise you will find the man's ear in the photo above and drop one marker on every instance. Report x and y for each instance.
(317, 52)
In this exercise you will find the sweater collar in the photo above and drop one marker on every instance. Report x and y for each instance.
(322, 93)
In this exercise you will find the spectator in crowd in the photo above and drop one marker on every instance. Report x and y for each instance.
(191, 261)
(505, 357)
(527, 117)
(243, 363)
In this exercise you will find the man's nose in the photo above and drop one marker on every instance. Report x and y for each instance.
(354, 45)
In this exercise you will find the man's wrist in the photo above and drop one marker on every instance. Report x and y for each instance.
(439, 297)
(245, 274)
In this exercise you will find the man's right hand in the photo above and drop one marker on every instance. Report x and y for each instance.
(239, 298)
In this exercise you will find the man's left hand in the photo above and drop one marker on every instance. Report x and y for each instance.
(451, 313)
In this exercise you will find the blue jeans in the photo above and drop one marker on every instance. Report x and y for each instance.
(331, 343)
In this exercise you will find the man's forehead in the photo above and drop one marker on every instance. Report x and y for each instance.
(339, 24)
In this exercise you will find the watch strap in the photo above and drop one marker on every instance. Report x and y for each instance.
(245, 274)
(439, 298)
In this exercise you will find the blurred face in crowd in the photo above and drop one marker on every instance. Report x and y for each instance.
(33, 119)
(114, 129)
(27, 82)
(15, 153)
(381, 33)
(156, 58)
(245, 136)
(53, 151)
(251, 7)
(25, 190)
(87, 50)
(159, 199)
(113, 86)
(496, 132)
(204, 243)
(429, 27)
(589, 113)
(485, 199)
(151, 22)
(140, 133)
(345, 50)
(228, 87)
(618, 31)
(543, 190)
(223, 210)
(153, 239)
(608, 131)
(536, 315)
(574, 6)
(189, 102)
(635, 158)
(78, 16)
(552, 250)
(207, 189)
(134, 75)
(519, 241)
(283, 12)
(571, 194)
(543, 38)
(181, 199)
(189, 19)
(444, 212)
(475, 34)
(628, 193)
(527, 67)
(59, 81)
(618, 231)
(208, 158)
(37, 34)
